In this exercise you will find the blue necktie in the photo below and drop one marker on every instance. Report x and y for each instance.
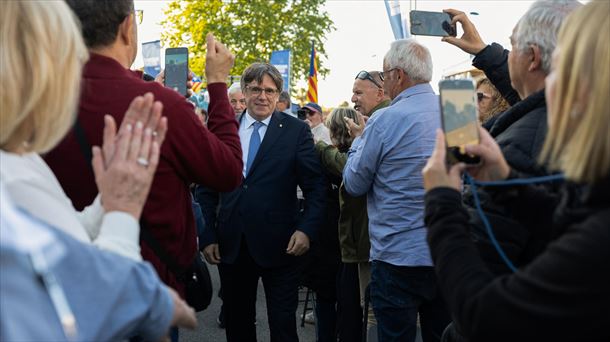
(255, 143)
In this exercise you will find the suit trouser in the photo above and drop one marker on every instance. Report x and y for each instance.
(239, 283)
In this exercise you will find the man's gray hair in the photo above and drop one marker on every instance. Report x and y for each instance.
(540, 26)
(285, 97)
(234, 88)
(412, 57)
(256, 71)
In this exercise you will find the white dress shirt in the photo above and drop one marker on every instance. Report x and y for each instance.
(245, 132)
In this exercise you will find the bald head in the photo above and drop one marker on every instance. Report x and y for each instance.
(367, 91)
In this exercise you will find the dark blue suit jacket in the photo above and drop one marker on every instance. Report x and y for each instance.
(265, 209)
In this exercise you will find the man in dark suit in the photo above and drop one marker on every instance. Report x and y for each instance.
(259, 232)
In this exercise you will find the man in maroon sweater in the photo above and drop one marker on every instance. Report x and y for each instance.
(190, 153)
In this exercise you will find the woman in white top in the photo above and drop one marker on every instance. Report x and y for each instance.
(35, 115)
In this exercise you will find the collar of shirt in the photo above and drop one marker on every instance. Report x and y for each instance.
(103, 67)
(248, 120)
(414, 90)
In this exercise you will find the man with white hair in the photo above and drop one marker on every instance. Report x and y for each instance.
(237, 98)
(386, 163)
(521, 130)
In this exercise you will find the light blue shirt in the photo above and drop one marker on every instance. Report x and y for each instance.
(111, 297)
(245, 132)
(386, 163)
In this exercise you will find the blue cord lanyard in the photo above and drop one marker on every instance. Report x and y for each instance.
(511, 182)
(58, 297)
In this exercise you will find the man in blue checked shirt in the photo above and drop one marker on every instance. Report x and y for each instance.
(385, 163)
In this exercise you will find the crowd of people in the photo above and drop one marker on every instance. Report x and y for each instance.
(106, 175)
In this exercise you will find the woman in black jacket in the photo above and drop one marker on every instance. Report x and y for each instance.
(564, 293)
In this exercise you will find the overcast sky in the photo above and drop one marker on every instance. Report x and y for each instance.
(363, 36)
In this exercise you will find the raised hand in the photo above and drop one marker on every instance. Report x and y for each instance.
(218, 60)
(140, 109)
(470, 41)
(124, 170)
(355, 130)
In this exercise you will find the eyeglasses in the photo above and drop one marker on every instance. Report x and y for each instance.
(382, 74)
(481, 96)
(256, 91)
(364, 75)
(139, 16)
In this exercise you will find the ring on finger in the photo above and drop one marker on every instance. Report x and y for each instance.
(142, 161)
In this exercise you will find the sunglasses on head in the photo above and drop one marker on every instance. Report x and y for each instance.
(364, 75)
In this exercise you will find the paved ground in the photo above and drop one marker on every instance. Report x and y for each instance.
(208, 330)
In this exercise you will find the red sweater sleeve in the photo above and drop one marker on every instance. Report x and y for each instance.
(210, 157)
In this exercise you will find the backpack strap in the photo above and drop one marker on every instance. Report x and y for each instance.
(147, 237)
(83, 143)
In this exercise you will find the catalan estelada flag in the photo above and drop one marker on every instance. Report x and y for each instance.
(312, 90)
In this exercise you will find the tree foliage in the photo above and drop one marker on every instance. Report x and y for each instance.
(252, 29)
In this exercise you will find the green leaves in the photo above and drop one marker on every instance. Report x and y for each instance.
(252, 29)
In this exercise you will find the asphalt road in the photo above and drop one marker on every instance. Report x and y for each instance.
(208, 330)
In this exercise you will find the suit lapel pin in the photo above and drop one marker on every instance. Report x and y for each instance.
(281, 125)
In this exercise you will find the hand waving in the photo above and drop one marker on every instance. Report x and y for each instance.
(125, 166)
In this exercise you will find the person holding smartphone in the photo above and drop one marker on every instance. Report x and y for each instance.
(562, 293)
(520, 131)
(191, 154)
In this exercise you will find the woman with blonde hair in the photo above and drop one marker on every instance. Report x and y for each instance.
(43, 39)
(562, 294)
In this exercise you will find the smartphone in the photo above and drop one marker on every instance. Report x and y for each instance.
(431, 24)
(176, 69)
(459, 118)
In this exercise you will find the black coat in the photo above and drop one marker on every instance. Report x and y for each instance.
(562, 295)
(324, 259)
(520, 133)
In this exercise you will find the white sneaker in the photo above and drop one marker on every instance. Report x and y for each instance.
(310, 317)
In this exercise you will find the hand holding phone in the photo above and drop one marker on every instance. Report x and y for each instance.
(470, 42)
(459, 118)
(177, 69)
(431, 24)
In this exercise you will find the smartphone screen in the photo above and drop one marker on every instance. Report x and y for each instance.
(431, 24)
(176, 69)
(459, 118)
